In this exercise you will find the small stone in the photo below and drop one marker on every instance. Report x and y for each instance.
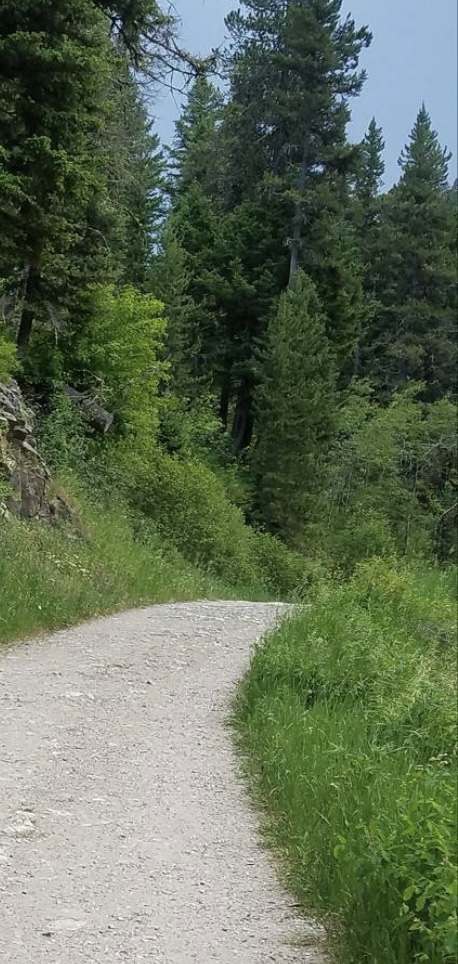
(29, 447)
(20, 432)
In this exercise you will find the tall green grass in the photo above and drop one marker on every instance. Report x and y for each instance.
(118, 557)
(348, 721)
(49, 578)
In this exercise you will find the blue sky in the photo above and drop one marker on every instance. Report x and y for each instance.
(413, 57)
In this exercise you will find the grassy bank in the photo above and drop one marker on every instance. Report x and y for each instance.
(348, 722)
(118, 557)
(49, 578)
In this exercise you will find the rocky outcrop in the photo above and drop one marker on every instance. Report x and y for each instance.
(26, 488)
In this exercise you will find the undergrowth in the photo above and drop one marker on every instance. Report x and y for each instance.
(116, 557)
(348, 722)
(51, 577)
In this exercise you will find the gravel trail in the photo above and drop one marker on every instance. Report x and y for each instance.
(125, 831)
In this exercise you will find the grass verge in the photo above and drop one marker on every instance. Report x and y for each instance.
(347, 720)
(51, 579)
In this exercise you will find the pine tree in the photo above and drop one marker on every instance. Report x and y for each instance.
(53, 62)
(196, 152)
(136, 178)
(413, 335)
(141, 30)
(424, 163)
(169, 280)
(210, 238)
(293, 69)
(365, 212)
(371, 168)
(295, 407)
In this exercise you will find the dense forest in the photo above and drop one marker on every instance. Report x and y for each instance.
(248, 302)
(241, 354)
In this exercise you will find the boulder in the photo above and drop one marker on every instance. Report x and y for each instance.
(27, 489)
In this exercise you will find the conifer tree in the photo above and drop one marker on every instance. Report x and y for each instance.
(196, 152)
(295, 408)
(136, 178)
(371, 167)
(53, 59)
(413, 335)
(293, 69)
(365, 210)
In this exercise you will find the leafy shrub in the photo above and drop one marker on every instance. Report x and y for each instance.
(391, 479)
(282, 570)
(8, 360)
(62, 436)
(349, 717)
(189, 506)
(120, 349)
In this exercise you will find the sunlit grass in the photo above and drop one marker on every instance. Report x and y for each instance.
(348, 724)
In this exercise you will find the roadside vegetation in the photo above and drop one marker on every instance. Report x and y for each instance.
(347, 720)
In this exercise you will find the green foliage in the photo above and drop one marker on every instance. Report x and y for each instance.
(121, 348)
(349, 717)
(391, 478)
(282, 571)
(62, 436)
(136, 180)
(54, 62)
(8, 361)
(118, 560)
(413, 259)
(295, 410)
(142, 31)
(189, 505)
(195, 139)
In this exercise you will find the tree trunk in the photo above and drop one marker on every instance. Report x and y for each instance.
(32, 288)
(296, 240)
(242, 427)
(224, 398)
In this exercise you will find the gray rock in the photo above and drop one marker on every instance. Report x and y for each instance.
(20, 432)
(21, 465)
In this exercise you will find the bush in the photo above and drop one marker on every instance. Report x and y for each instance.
(8, 360)
(121, 347)
(391, 479)
(282, 571)
(62, 435)
(349, 718)
(189, 505)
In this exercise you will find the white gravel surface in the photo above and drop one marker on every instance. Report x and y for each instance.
(125, 830)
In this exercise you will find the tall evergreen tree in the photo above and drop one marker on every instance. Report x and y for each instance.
(136, 178)
(371, 167)
(210, 238)
(295, 409)
(293, 69)
(365, 213)
(53, 59)
(413, 335)
(196, 152)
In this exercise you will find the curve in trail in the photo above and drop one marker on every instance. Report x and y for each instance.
(125, 832)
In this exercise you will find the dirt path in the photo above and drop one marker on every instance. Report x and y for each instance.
(125, 833)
